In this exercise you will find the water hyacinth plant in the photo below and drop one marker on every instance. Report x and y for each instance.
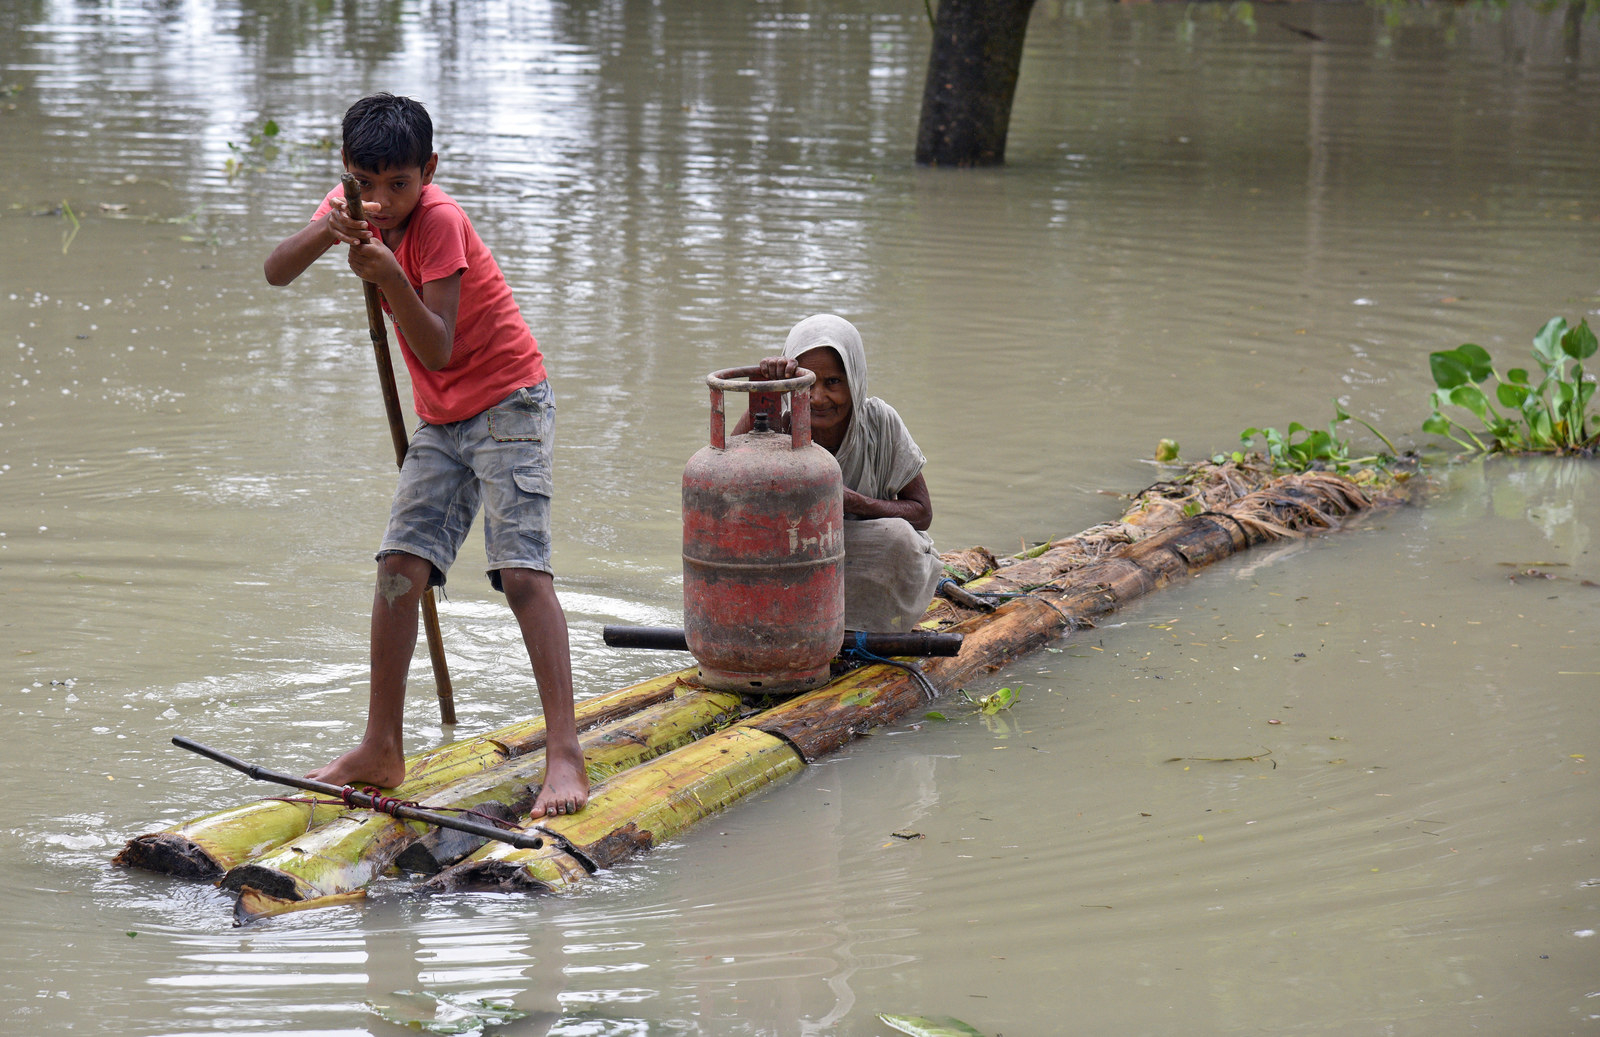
(1303, 449)
(1550, 415)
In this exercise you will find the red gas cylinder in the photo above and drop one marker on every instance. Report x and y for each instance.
(763, 545)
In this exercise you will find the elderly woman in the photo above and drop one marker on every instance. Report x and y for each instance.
(891, 568)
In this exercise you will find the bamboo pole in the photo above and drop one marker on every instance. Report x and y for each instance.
(208, 846)
(253, 904)
(378, 332)
(363, 799)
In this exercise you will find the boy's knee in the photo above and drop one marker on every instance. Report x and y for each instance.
(402, 576)
(522, 585)
(402, 563)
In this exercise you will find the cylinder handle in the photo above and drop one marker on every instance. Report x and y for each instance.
(739, 379)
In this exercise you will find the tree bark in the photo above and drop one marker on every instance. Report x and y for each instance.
(972, 78)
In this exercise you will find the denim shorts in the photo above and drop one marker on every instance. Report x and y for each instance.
(499, 459)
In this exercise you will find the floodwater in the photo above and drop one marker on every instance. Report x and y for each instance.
(1345, 785)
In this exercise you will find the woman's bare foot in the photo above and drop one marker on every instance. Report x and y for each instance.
(364, 765)
(566, 783)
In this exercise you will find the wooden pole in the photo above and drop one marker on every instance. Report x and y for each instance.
(397, 433)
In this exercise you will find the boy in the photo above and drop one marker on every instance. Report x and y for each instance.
(479, 386)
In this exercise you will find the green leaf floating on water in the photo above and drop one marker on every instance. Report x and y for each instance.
(459, 1015)
(1005, 698)
(918, 1026)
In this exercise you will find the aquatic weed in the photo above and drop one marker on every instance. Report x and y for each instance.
(1550, 416)
(254, 155)
(1302, 449)
(73, 226)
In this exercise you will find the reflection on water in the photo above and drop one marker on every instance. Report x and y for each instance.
(1339, 785)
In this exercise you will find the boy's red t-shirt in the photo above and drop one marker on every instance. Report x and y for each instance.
(494, 353)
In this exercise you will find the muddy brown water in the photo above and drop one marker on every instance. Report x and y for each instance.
(1345, 785)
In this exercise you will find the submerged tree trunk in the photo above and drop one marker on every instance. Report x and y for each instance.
(972, 78)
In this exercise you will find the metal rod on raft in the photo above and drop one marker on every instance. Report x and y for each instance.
(913, 643)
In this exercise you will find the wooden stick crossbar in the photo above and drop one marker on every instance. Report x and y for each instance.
(364, 800)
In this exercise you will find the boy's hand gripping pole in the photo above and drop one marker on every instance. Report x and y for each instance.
(397, 432)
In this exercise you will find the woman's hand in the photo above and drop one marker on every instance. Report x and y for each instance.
(912, 504)
(776, 368)
(861, 505)
(771, 369)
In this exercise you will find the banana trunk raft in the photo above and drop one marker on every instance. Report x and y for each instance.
(665, 753)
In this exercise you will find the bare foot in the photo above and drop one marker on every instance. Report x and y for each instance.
(566, 783)
(364, 765)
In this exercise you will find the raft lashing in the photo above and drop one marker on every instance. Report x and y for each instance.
(667, 752)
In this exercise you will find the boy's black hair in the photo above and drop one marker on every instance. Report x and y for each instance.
(387, 132)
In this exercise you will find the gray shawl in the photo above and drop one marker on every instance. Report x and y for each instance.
(878, 456)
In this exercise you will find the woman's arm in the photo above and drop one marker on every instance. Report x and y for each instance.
(914, 504)
(773, 368)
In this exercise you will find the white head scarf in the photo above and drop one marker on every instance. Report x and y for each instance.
(878, 457)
